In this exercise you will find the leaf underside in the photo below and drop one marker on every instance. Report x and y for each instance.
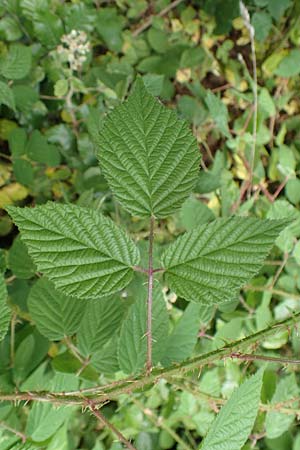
(212, 262)
(84, 253)
(149, 157)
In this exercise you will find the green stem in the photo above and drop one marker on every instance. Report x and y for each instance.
(127, 386)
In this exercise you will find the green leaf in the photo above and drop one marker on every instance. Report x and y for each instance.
(6, 96)
(290, 65)
(19, 261)
(149, 157)
(183, 338)
(101, 321)
(231, 428)
(55, 314)
(133, 340)
(211, 263)
(39, 150)
(23, 171)
(48, 28)
(61, 87)
(106, 360)
(109, 27)
(17, 63)
(158, 40)
(292, 190)
(45, 419)
(17, 142)
(84, 253)
(5, 312)
(154, 83)
(194, 213)
(276, 422)
(262, 23)
(218, 112)
(278, 7)
(9, 29)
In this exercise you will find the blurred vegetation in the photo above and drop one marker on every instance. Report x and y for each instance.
(63, 66)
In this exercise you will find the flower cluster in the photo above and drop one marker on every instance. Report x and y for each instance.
(74, 49)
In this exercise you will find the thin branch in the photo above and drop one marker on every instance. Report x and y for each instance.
(150, 297)
(108, 424)
(160, 423)
(279, 270)
(278, 292)
(247, 357)
(111, 391)
(22, 436)
(149, 21)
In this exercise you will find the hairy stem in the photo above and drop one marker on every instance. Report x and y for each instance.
(150, 298)
(111, 391)
(105, 421)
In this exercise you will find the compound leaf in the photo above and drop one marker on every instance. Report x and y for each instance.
(235, 421)
(55, 314)
(149, 157)
(84, 253)
(212, 262)
(133, 339)
(4, 309)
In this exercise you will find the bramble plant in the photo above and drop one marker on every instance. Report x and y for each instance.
(151, 162)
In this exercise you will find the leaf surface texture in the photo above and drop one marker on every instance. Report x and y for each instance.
(212, 262)
(149, 157)
(84, 253)
(55, 314)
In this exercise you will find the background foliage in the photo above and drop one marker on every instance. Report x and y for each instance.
(63, 66)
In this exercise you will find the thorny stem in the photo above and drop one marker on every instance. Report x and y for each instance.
(150, 298)
(111, 391)
(247, 357)
(108, 424)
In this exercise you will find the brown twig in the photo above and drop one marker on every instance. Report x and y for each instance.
(149, 21)
(160, 423)
(22, 436)
(248, 357)
(93, 408)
